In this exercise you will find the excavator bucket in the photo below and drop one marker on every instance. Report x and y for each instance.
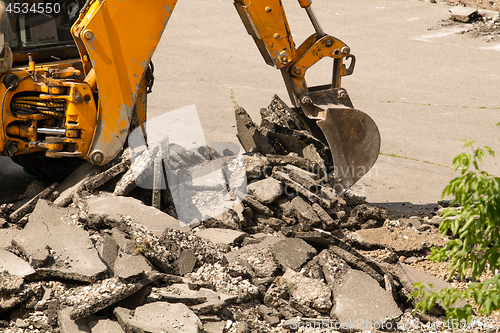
(352, 135)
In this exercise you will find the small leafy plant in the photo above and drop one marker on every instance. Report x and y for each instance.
(474, 248)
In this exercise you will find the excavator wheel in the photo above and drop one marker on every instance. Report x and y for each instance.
(41, 166)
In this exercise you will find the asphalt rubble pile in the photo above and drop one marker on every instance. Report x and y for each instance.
(93, 254)
(474, 22)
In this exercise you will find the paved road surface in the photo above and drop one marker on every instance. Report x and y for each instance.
(426, 89)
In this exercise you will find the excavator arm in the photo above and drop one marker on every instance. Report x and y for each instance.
(352, 135)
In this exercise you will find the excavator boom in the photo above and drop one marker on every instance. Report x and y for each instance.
(118, 54)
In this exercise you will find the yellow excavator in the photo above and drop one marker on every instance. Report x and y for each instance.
(74, 76)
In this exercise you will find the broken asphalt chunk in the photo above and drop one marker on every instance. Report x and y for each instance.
(9, 300)
(361, 300)
(130, 265)
(258, 259)
(266, 190)
(30, 205)
(55, 246)
(102, 294)
(463, 14)
(406, 241)
(305, 212)
(100, 179)
(293, 253)
(221, 236)
(257, 206)
(105, 326)
(14, 265)
(246, 129)
(312, 293)
(310, 196)
(115, 207)
(10, 283)
(159, 317)
(414, 276)
(74, 183)
(68, 325)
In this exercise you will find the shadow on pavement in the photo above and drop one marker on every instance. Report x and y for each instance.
(13, 180)
(396, 210)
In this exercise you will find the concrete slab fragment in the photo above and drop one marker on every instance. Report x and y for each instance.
(415, 276)
(293, 252)
(14, 265)
(361, 300)
(159, 317)
(214, 327)
(221, 236)
(128, 265)
(105, 326)
(48, 234)
(123, 240)
(28, 207)
(67, 325)
(266, 190)
(6, 236)
(115, 207)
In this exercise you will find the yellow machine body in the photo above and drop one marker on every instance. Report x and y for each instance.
(51, 104)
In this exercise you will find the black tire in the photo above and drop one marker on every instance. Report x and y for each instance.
(41, 166)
